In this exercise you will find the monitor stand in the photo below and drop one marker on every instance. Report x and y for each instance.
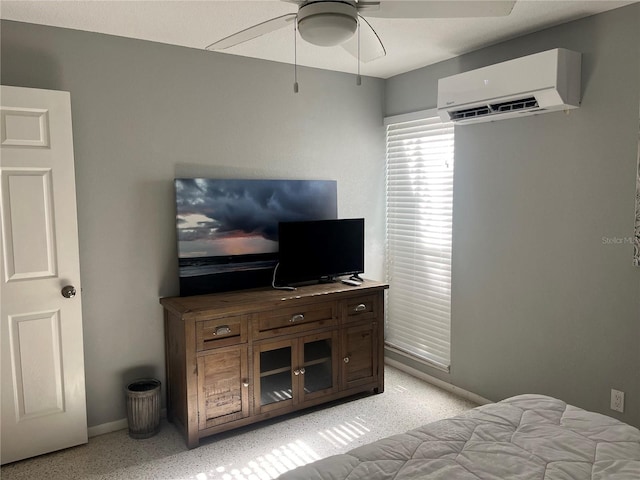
(329, 279)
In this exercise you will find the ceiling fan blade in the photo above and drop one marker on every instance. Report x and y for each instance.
(371, 46)
(361, 4)
(253, 32)
(366, 5)
(441, 9)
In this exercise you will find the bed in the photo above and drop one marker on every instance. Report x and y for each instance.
(527, 437)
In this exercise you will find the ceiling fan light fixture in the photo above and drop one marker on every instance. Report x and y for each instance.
(327, 23)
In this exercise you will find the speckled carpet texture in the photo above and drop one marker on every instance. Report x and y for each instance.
(259, 452)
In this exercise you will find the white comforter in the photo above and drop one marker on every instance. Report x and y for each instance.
(528, 437)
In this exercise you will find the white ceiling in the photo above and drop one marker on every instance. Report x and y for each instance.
(410, 43)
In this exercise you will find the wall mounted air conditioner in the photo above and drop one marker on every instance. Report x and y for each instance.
(539, 83)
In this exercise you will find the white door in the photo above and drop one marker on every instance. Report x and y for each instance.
(43, 386)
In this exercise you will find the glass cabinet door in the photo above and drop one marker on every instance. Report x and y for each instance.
(294, 371)
(318, 367)
(274, 363)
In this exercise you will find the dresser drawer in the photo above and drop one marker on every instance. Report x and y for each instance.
(359, 308)
(296, 319)
(221, 332)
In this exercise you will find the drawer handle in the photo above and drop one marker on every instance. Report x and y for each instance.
(245, 383)
(360, 308)
(346, 359)
(296, 318)
(223, 330)
(296, 372)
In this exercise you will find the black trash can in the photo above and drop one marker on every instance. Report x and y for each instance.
(143, 407)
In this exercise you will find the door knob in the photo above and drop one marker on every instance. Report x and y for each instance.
(69, 291)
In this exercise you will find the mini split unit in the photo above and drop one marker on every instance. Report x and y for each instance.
(539, 83)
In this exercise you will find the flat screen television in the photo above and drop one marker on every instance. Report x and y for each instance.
(320, 250)
(227, 229)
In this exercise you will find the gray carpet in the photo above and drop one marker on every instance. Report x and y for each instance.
(259, 452)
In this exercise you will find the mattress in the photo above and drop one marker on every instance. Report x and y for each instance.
(527, 437)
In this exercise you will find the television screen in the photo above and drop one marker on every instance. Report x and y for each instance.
(320, 250)
(228, 228)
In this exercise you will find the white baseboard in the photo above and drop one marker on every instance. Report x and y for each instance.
(123, 423)
(108, 427)
(437, 382)
(115, 426)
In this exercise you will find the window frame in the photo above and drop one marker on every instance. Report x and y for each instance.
(405, 343)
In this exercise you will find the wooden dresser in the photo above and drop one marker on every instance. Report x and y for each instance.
(239, 357)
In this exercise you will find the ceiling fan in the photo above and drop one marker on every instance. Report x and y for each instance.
(333, 22)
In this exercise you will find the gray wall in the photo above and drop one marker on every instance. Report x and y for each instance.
(540, 302)
(144, 113)
(544, 297)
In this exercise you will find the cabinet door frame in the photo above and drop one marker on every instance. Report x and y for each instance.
(299, 394)
(243, 383)
(257, 387)
(346, 352)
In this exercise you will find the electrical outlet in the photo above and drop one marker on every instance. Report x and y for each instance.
(617, 400)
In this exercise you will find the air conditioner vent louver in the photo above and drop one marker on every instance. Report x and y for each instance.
(521, 104)
(495, 108)
(543, 82)
(471, 113)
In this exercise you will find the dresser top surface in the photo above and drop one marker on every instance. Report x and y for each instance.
(241, 301)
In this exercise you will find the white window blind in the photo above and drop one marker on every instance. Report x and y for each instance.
(419, 187)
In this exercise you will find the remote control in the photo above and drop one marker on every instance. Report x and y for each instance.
(349, 281)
